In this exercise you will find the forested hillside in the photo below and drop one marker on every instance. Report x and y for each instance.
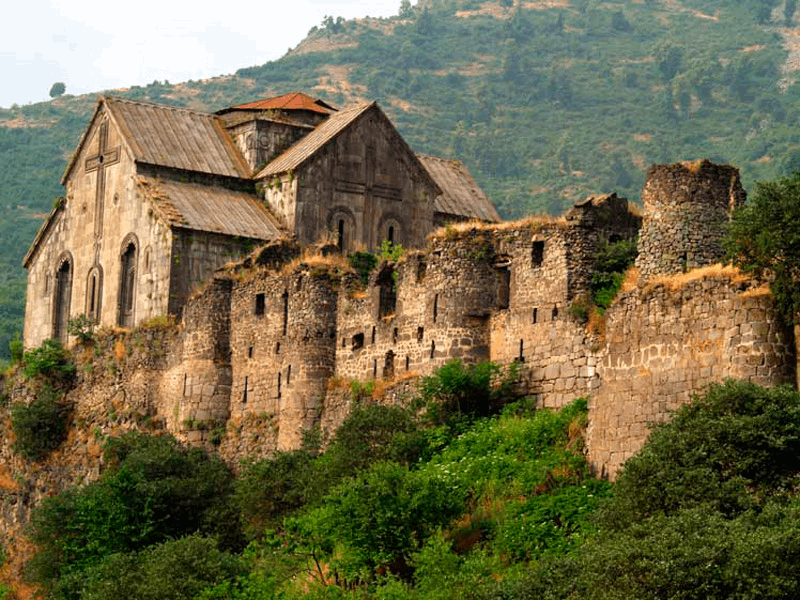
(545, 101)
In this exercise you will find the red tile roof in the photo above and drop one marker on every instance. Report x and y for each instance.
(293, 101)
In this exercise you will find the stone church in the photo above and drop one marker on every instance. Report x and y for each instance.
(157, 198)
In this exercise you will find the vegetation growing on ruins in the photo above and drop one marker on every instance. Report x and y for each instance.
(404, 506)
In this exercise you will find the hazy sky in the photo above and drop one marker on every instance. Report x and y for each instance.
(92, 45)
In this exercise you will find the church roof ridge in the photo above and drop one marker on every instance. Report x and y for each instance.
(105, 97)
(295, 100)
(307, 146)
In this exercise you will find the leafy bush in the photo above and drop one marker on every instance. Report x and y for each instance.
(456, 391)
(50, 361)
(40, 426)
(611, 262)
(82, 327)
(152, 491)
(725, 449)
(763, 237)
(174, 570)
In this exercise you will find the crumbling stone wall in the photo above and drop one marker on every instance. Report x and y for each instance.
(666, 341)
(686, 207)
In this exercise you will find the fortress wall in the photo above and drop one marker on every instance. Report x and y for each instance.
(282, 342)
(666, 342)
(196, 389)
(686, 206)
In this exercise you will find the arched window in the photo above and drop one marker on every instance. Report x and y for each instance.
(127, 284)
(62, 297)
(94, 293)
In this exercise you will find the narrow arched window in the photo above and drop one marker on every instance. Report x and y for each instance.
(63, 295)
(127, 286)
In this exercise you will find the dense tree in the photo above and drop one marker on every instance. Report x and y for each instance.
(57, 89)
(764, 238)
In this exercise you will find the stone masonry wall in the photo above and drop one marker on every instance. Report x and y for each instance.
(686, 206)
(666, 341)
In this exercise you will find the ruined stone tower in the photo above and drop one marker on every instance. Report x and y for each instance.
(686, 207)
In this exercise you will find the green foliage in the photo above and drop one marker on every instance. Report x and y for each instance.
(153, 490)
(40, 426)
(57, 89)
(457, 391)
(49, 362)
(764, 238)
(16, 348)
(390, 251)
(270, 490)
(727, 448)
(364, 263)
(382, 516)
(174, 570)
(82, 327)
(611, 262)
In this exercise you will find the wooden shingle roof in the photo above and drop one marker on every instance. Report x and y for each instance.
(216, 209)
(461, 195)
(314, 141)
(177, 138)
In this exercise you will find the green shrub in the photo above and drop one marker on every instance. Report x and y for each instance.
(40, 426)
(153, 490)
(726, 449)
(611, 262)
(456, 391)
(364, 263)
(82, 327)
(51, 362)
(174, 570)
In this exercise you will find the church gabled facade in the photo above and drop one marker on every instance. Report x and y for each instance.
(158, 197)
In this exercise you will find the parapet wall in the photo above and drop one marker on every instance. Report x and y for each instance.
(666, 341)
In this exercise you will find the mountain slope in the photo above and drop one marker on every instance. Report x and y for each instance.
(546, 101)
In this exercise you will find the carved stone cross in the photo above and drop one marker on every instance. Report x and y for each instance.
(98, 162)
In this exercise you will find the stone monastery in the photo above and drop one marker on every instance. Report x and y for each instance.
(157, 198)
(161, 198)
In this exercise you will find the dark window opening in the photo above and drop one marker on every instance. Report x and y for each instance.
(244, 394)
(422, 267)
(521, 357)
(373, 334)
(537, 254)
(433, 349)
(684, 262)
(408, 362)
(277, 347)
(391, 235)
(394, 335)
(387, 299)
(555, 313)
(94, 296)
(62, 297)
(261, 304)
(435, 307)
(535, 315)
(375, 368)
(249, 352)
(285, 312)
(358, 341)
(288, 374)
(185, 377)
(420, 333)
(127, 285)
(340, 239)
(344, 342)
(388, 365)
(504, 287)
(279, 385)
